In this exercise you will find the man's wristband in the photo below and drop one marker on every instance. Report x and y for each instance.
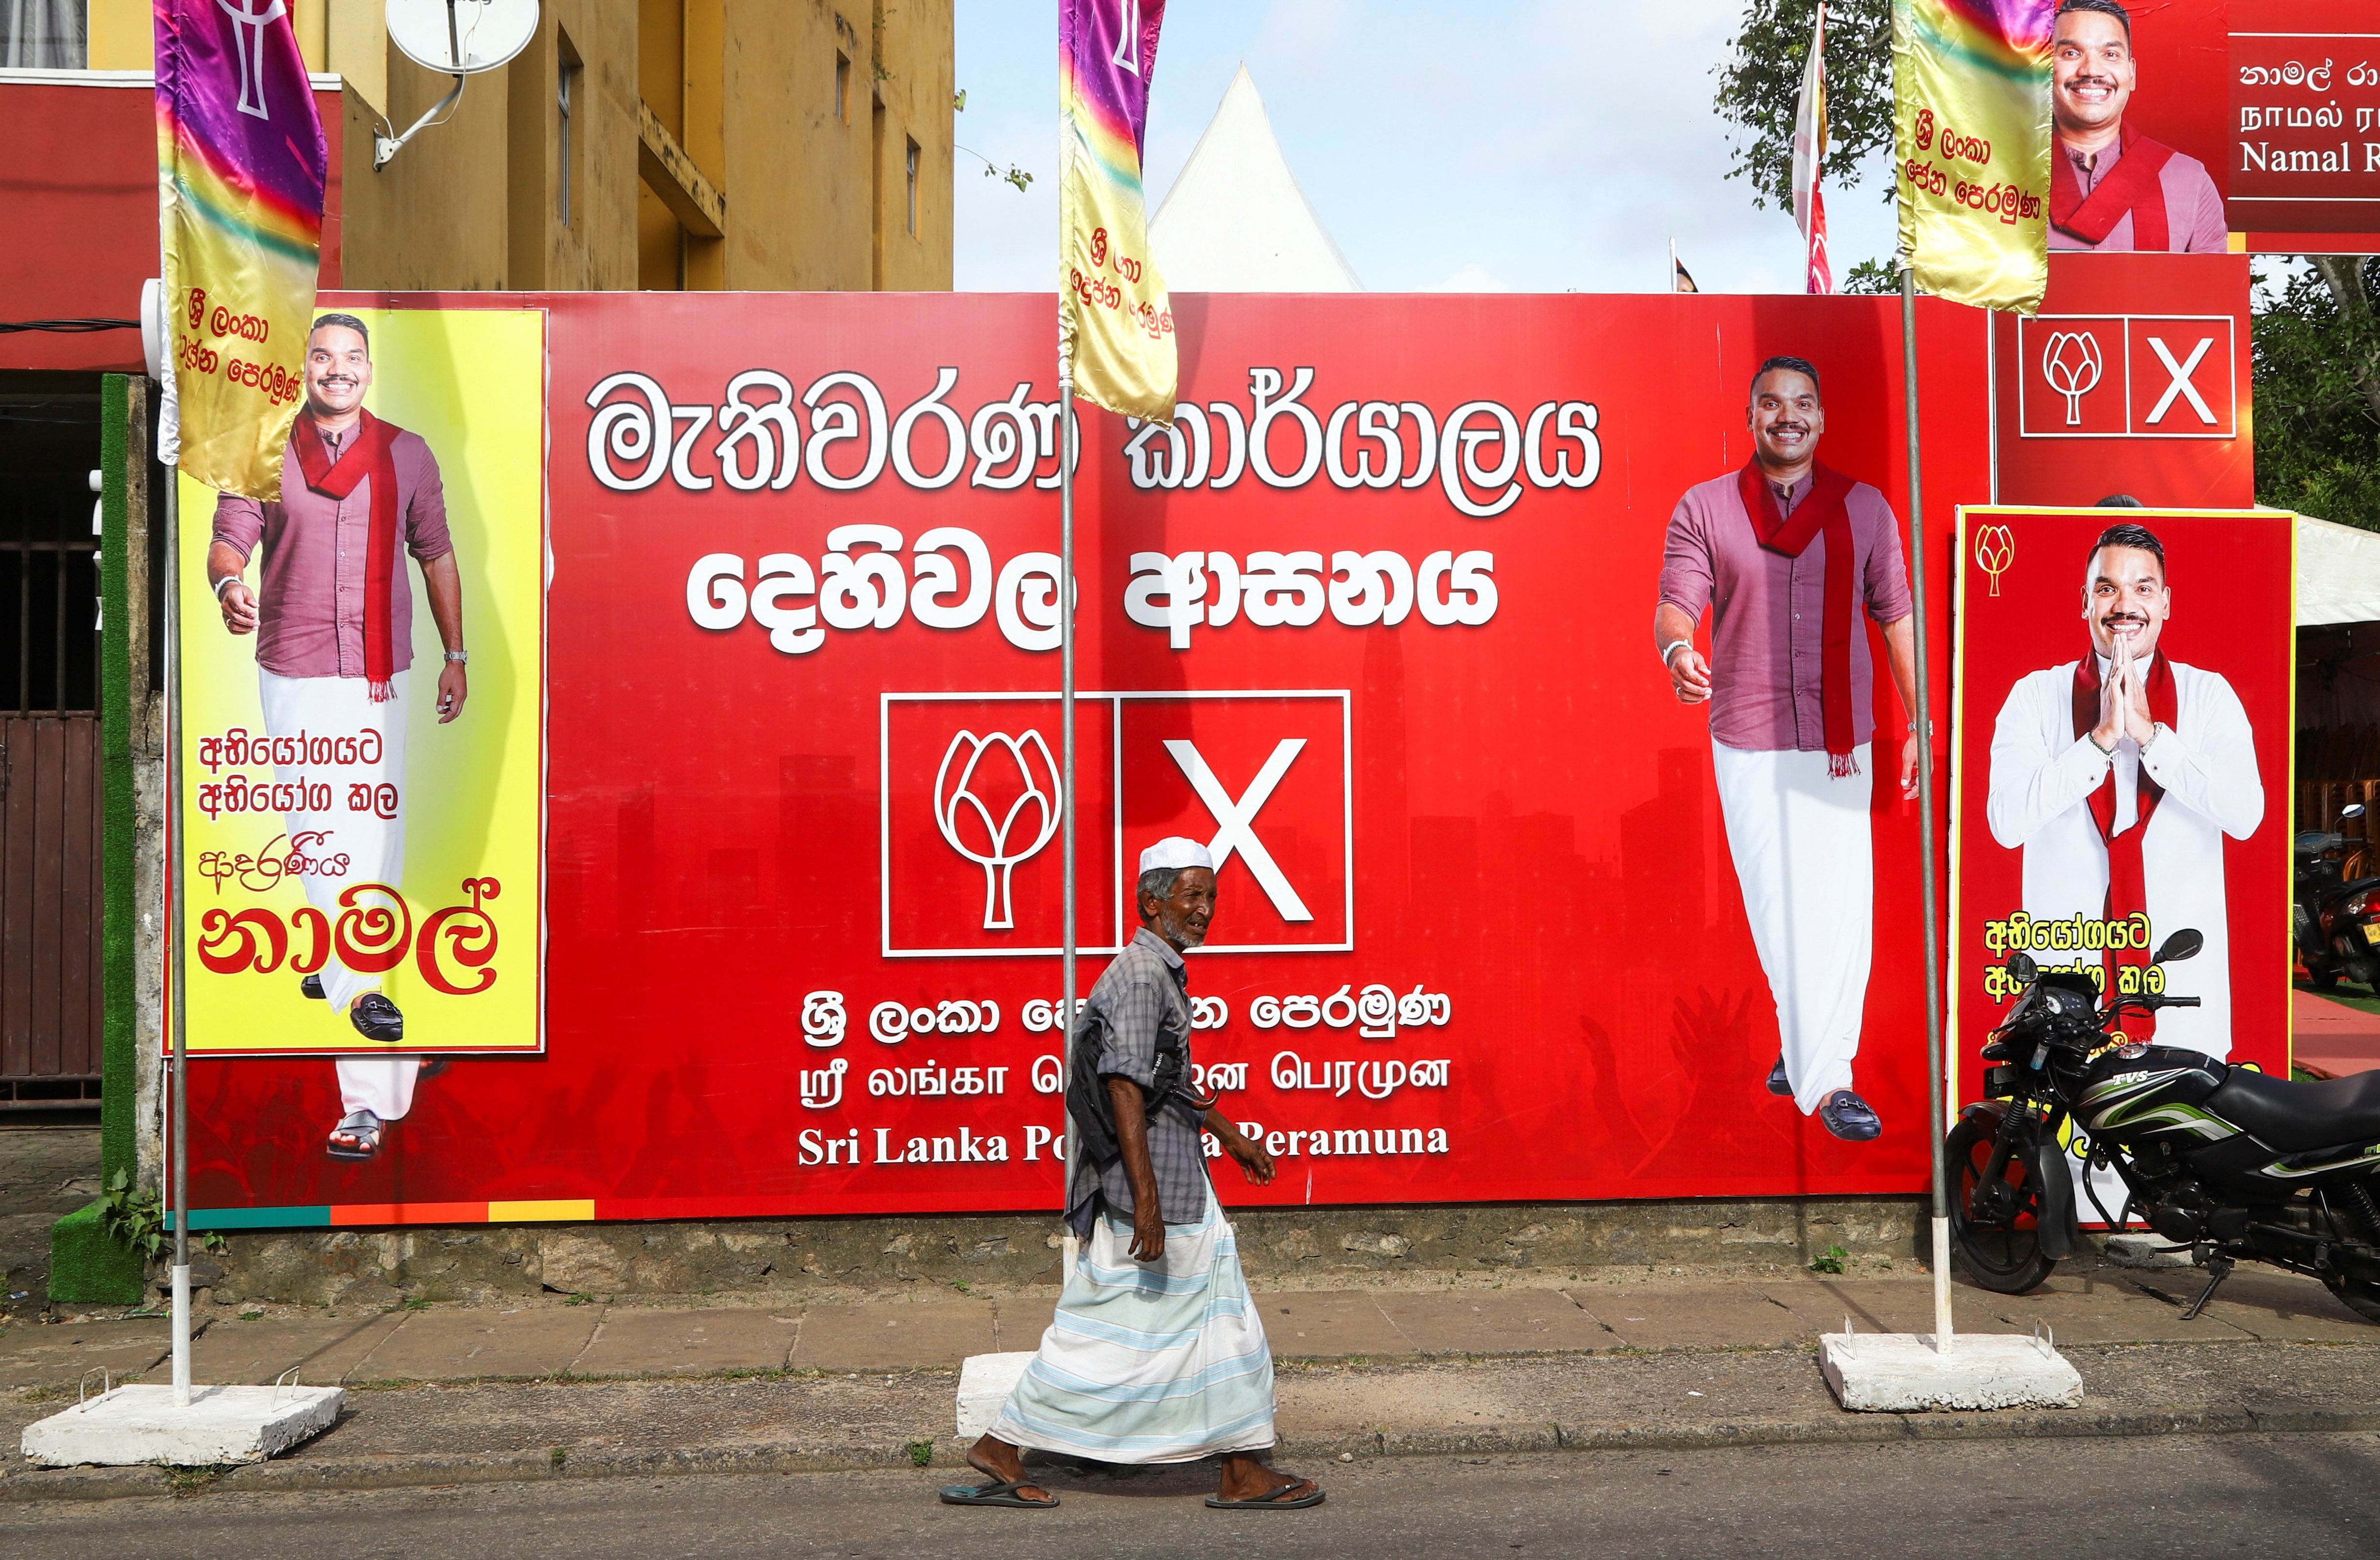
(2093, 738)
(1672, 648)
(227, 579)
(459, 656)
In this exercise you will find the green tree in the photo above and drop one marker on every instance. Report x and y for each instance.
(1760, 88)
(2317, 365)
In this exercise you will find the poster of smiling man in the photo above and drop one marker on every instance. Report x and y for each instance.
(362, 674)
(2122, 763)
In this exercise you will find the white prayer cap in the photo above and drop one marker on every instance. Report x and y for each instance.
(1173, 853)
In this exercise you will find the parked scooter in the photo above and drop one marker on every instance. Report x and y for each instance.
(2335, 921)
(2223, 1161)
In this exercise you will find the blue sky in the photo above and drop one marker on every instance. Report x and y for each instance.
(1558, 147)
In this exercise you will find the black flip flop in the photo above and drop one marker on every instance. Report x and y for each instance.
(998, 1493)
(1270, 1500)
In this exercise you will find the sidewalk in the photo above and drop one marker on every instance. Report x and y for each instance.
(451, 1393)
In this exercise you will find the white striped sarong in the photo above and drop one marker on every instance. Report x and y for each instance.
(1149, 1362)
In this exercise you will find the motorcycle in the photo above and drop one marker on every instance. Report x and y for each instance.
(2224, 1162)
(2335, 921)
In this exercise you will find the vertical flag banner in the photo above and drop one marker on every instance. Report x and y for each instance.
(1114, 320)
(1809, 161)
(241, 164)
(1970, 124)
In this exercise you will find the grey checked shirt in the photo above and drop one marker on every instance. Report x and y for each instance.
(1145, 991)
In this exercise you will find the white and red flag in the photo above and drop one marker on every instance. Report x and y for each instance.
(1809, 160)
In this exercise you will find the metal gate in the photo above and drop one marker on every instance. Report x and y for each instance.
(51, 898)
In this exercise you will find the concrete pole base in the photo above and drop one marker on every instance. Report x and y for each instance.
(223, 1424)
(1901, 1372)
(985, 1381)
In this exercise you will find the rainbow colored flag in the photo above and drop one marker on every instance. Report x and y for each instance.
(1116, 324)
(241, 164)
(1971, 122)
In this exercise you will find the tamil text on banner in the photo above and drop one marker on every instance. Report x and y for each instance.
(1970, 124)
(1373, 621)
(1114, 319)
(339, 845)
(2088, 862)
(241, 164)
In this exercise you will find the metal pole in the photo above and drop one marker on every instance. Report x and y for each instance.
(180, 1013)
(1066, 679)
(1935, 1084)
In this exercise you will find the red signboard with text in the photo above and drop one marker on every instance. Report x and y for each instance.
(1373, 618)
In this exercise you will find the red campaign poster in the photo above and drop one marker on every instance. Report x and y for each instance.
(2032, 859)
(2277, 103)
(2135, 378)
(1373, 619)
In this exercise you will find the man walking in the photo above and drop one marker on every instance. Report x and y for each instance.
(1785, 553)
(1156, 1354)
(334, 627)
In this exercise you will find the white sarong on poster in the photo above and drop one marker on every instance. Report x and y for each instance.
(373, 845)
(1149, 1362)
(1805, 857)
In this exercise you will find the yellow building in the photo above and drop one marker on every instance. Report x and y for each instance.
(659, 144)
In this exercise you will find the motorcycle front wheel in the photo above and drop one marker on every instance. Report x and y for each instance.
(2004, 1256)
(2358, 1295)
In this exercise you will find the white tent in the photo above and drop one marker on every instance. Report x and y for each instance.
(1236, 221)
(2339, 573)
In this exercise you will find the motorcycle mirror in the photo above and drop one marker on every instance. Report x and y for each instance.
(2182, 945)
(2021, 968)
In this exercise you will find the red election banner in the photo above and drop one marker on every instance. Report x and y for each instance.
(1373, 619)
(2031, 863)
(2135, 378)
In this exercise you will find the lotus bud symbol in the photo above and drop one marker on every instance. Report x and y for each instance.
(996, 802)
(1995, 550)
(2071, 362)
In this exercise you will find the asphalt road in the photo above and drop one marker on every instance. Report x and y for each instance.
(2167, 1497)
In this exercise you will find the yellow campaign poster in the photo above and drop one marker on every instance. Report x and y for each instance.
(362, 733)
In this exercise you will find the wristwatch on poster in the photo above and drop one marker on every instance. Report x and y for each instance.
(459, 656)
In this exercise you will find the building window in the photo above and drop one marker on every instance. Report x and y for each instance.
(42, 34)
(913, 189)
(565, 94)
(842, 88)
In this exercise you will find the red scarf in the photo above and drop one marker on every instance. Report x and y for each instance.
(366, 455)
(1822, 513)
(2127, 886)
(2133, 186)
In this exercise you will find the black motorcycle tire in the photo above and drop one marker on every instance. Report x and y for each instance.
(2359, 1295)
(2005, 1260)
(2322, 980)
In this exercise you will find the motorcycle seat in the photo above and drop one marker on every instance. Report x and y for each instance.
(2292, 1117)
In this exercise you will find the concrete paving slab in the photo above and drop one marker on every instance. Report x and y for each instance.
(894, 1336)
(1324, 1325)
(2098, 1308)
(1019, 1321)
(672, 1343)
(450, 1345)
(1875, 1305)
(38, 1356)
(220, 1424)
(1901, 1373)
(2279, 1307)
(252, 1353)
(1486, 1321)
(1733, 1316)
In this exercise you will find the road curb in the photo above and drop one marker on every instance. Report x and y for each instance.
(417, 1470)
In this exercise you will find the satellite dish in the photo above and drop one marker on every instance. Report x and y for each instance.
(461, 37)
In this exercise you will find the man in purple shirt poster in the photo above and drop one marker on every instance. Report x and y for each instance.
(1786, 555)
(2110, 187)
(332, 616)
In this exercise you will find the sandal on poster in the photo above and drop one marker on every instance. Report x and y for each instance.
(1779, 1083)
(312, 987)
(354, 1138)
(1275, 1499)
(376, 1017)
(999, 1492)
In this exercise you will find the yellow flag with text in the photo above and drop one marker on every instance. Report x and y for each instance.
(1970, 127)
(1115, 322)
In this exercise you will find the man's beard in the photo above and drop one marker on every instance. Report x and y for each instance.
(1179, 930)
